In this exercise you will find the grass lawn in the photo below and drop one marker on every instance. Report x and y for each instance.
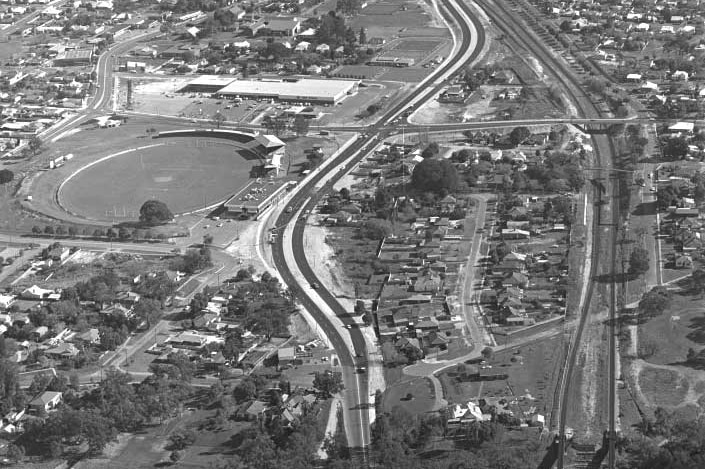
(675, 331)
(184, 173)
(663, 387)
(532, 372)
(419, 387)
(407, 74)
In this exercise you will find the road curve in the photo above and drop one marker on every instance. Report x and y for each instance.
(362, 146)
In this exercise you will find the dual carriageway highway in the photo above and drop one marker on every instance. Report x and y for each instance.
(308, 195)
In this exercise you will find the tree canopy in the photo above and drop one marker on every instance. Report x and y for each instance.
(518, 135)
(6, 176)
(638, 261)
(155, 212)
(328, 382)
(435, 176)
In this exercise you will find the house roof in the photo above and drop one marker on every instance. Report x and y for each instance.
(286, 353)
(64, 349)
(45, 398)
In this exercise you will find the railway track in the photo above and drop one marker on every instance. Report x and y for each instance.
(506, 19)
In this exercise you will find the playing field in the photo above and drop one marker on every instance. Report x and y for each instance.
(185, 173)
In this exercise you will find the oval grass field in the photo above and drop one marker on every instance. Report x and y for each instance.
(185, 173)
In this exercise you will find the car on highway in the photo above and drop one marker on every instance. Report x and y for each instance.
(219, 225)
(289, 209)
(361, 369)
(315, 285)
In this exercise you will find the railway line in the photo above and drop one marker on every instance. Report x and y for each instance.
(605, 232)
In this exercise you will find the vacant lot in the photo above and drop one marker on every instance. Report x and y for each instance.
(661, 375)
(667, 338)
(531, 373)
(422, 396)
(186, 174)
(662, 386)
(388, 19)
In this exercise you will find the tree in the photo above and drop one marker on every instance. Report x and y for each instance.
(155, 212)
(217, 119)
(487, 353)
(638, 261)
(232, 345)
(362, 37)
(175, 456)
(34, 145)
(246, 390)
(518, 135)
(375, 228)
(431, 150)
(36, 229)
(654, 302)
(49, 230)
(182, 438)
(328, 383)
(301, 125)
(413, 354)
(14, 452)
(208, 239)
(148, 310)
(6, 176)
(697, 281)
(435, 176)
(675, 148)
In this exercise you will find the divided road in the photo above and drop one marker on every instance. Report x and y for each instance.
(472, 34)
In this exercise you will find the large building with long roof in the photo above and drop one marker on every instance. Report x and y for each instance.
(305, 90)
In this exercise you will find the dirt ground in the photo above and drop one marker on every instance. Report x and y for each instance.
(655, 369)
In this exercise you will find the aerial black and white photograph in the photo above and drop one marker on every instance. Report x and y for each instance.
(352, 234)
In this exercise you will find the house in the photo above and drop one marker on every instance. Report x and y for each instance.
(118, 310)
(206, 321)
(286, 355)
(448, 203)
(538, 420)
(683, 262)
(215, 362)
(302, 46)
(58, 253)
(278, 27)
(255, 410)
(127, 298)
(62, 351)
(406, 343)
(513, 233)
(188, 340)
(46, 401)
(90, 337)
(38, 333)
(36, 293)
(6, 301)
(436, 340)
(516, 279)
